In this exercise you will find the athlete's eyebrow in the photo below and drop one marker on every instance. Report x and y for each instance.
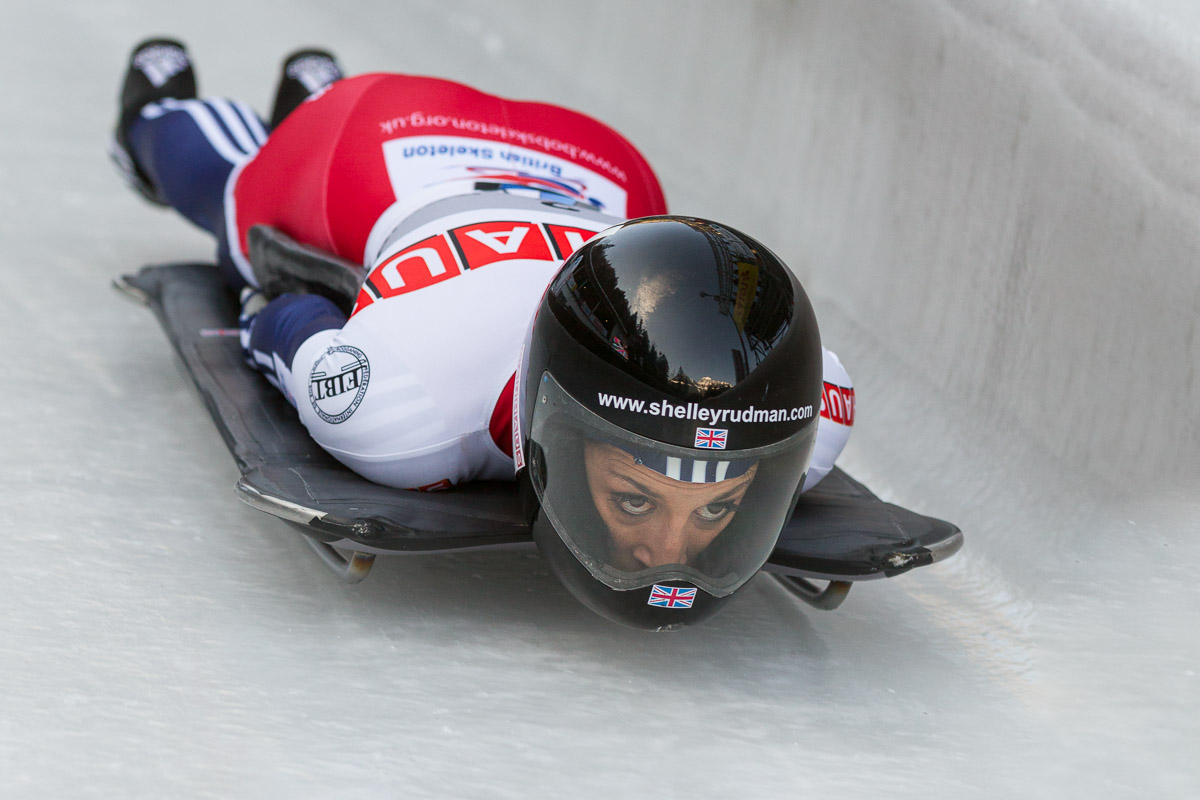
(742, 483)
(643, 489)
(728, 495)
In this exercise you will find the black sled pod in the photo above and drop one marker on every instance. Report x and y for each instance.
(665, 417)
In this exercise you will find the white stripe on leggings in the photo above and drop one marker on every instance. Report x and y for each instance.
(202, 115)
(253, 123)
(236, 125)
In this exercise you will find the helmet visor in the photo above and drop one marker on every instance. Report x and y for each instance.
(636, 512)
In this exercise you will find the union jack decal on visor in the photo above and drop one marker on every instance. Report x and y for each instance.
(671, 596)
(712, 438)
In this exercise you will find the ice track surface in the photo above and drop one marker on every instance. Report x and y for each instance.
(996, 209)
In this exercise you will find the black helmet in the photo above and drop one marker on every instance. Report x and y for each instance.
(666, 409)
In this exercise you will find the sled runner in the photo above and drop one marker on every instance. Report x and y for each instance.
(839, 533)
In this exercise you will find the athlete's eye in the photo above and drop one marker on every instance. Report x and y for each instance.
(634, 504)
(716, 511)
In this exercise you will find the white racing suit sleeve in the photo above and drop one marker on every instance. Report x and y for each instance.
(836, 420)
(364, 406)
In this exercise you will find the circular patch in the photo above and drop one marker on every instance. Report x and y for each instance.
(338, 382)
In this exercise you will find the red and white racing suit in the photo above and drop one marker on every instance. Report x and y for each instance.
(414, 178)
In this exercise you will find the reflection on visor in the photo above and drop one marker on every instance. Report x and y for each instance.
(636, 512)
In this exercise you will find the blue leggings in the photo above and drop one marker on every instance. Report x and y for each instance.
(188, 148)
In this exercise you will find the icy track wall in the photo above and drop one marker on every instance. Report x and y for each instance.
(1003, 195)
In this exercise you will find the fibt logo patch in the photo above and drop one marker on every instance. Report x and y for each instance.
(338, 383)
(712, 438)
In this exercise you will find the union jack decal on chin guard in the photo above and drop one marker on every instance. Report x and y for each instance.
(711, 438)
(671, 596)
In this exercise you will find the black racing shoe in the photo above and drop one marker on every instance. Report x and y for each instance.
(304, 73)
(158, 69)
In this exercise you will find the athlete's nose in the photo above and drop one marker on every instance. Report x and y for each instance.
(669, 545)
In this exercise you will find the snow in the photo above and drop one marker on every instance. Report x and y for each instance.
(995, 207)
